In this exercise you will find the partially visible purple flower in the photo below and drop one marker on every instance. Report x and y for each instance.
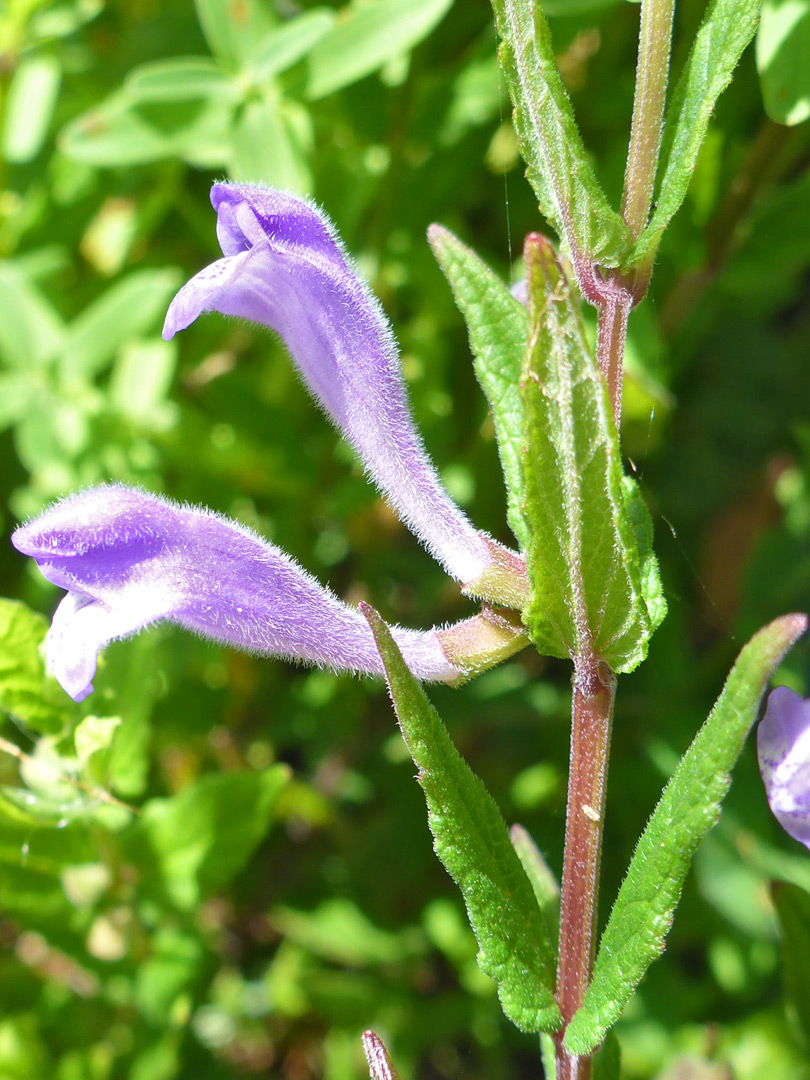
(128, 559)
(285, 267)
(783, 747)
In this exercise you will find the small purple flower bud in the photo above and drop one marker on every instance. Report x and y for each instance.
(284, 267)
(128, 559)
(783, 747)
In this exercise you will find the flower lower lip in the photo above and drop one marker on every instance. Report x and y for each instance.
(144, 559)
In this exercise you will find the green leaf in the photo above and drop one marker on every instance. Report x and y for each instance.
(548, 1055)
(183, 78)
(338, 931)
(58, 790)
(499, 338)
(268, 145)
(125, 311)
(204, 835)
(93, 740)
(595, 586)
(31, 330)
(559, 168)
(290, 43)
(142, 377)
(544, 884)
(17, 393)
(472, 841)
(783, 60)
(367, 37)
(174, 961)
(29, 106)
(607, 1062)
(26, 693)
(235, 29)
(793, 909)
(689, 807)
(121, 132)
(113, 134)
(726, 30)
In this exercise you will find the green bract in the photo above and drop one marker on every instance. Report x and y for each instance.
(595, 585)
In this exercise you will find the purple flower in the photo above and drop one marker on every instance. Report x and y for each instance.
(284, 267)
(129, 559)
(783, 746)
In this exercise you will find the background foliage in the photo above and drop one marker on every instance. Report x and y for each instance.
(218, 866)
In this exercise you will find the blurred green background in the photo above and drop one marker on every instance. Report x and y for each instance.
(219, 866)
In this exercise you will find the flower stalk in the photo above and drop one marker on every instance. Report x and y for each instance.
(652, 74)
(613, 311)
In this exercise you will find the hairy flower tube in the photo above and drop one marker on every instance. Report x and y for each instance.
(128, 559)
(783, 747)
(285, 267)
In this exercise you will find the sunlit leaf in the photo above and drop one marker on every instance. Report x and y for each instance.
(267, 145)
(204, 835)
(26, 692)
(128, 309)
(783, 60)
(31, 330)
(235, 29)
(290, 43)
(368, 36)
(181, 78)
(29, 106)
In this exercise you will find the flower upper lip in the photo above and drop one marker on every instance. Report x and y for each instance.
(285, 268)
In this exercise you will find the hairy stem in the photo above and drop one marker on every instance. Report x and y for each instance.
(611, 333)
(592, 714)
(652, 74)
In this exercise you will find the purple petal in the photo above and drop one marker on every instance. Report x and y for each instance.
(128, 559)
(783, 747)
(284, 267)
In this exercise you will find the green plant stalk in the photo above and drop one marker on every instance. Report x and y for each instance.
(652, 74)
(591, 721)
(613, 311)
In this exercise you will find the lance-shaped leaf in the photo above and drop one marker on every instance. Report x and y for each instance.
(689, 807)
(595, 585)
(499, 336)
(129, 559)
(284, 267)
(559, 168)
(727, 28)
(471, 839)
